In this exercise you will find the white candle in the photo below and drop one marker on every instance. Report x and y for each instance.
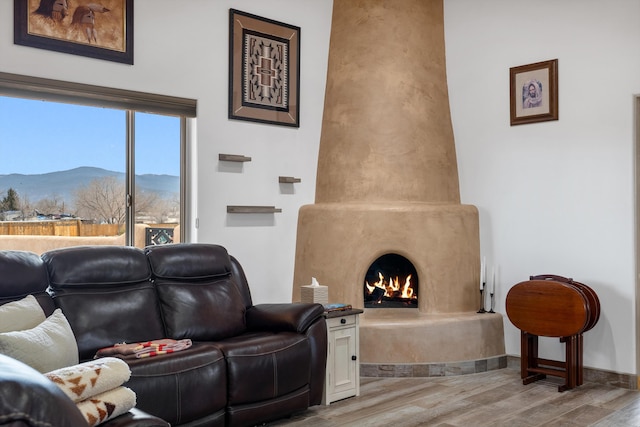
(495, 273)
(483, 272)
(493, 281)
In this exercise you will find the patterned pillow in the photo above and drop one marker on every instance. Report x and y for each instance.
(20, 315)
(50, 345)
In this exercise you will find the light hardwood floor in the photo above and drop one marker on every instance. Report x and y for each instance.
(493, 398)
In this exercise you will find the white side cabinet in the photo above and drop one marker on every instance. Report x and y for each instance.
(343, 356)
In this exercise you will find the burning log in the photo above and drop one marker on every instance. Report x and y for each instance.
(375, 295)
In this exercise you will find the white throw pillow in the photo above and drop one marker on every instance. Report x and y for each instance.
(50, 345)
(20, 315)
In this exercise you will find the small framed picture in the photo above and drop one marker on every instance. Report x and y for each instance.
(534, 92)
(264, 70)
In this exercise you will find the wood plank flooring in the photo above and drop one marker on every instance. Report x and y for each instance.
(493, 398)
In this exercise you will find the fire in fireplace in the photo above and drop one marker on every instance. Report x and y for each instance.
(391, 282)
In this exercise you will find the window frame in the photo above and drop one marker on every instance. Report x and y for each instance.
(28, 87)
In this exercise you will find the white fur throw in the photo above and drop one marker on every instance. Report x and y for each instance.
(107, 405)
(89, 379)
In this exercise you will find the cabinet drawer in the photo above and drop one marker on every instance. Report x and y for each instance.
(341, 321)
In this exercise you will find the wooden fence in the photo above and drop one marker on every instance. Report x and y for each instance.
(71, 228)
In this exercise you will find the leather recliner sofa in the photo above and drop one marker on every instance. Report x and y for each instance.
(248, 364)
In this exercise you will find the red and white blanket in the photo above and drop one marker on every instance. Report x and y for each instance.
(144, 349)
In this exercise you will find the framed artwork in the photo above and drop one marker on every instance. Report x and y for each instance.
(534, 92)
(158, 236)
(264, 70)
(102, 30)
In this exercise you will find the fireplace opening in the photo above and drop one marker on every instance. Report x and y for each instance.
(391, 282)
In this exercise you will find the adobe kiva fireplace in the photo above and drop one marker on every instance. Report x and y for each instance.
(387, 183)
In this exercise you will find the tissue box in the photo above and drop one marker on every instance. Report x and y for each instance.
(318, 294)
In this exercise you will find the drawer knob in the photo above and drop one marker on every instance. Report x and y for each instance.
(343, 321)
(354, 357)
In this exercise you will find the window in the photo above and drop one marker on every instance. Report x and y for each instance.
(91, 162)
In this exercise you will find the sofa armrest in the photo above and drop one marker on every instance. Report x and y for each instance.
(294, 317)
(136, 418)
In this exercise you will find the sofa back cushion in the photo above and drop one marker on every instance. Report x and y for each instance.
(106, 294)
(198, 297)
(23, 273)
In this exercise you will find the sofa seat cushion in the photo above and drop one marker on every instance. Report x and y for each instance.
(182, 386)
(259, 413)
(264, 365)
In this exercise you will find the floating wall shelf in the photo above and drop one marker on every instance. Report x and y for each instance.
(288, 180)
(233, 158)
(253, 209)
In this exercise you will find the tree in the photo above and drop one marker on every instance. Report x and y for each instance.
(11, 202)
(104, 201)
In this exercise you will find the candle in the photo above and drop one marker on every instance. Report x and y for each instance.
(495, 273)
(483, 272)
(493, 281)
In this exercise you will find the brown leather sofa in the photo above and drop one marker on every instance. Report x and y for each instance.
(248, 364)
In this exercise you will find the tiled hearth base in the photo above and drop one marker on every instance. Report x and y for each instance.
(408, 370)
(432, 369)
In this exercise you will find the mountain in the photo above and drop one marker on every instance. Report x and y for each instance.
(63, 184)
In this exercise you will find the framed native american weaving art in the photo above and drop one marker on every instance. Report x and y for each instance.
(264, 70)
(534, 92)
(98, 29)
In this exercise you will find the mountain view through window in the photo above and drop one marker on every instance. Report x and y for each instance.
(65, 169)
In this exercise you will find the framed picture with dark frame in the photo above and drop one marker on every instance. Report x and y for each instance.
(264, 70)
(534, 92)
(102, 30)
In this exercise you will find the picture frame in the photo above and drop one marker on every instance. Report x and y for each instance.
(264, 70)
(534, 92)
(101, 30)
(158, 236)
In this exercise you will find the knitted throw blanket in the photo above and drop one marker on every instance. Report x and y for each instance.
(144, 349)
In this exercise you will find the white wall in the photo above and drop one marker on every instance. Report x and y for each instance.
(181, 49)
(554, 197)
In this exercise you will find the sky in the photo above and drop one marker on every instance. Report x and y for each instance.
(39, 137)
